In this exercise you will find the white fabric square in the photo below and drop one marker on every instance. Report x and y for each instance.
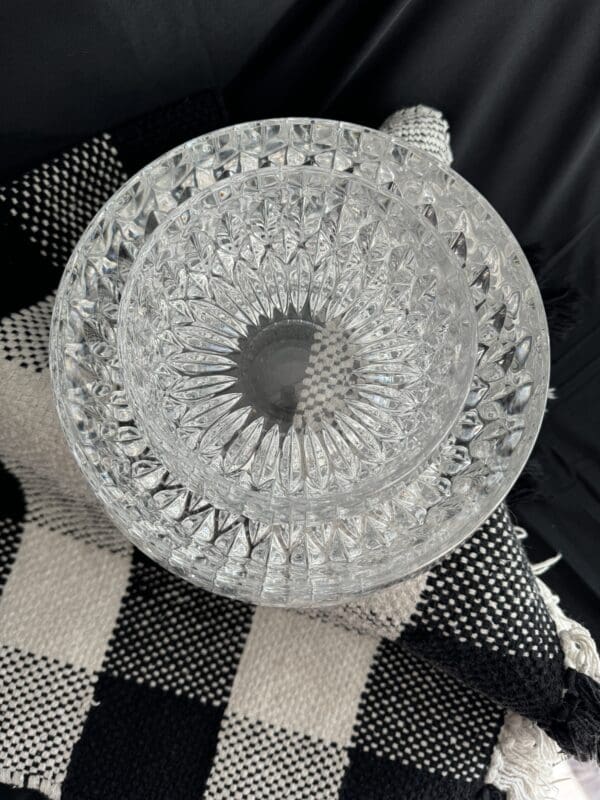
(302, 675)
(62, 598)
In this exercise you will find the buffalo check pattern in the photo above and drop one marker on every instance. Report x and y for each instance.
(118, 680)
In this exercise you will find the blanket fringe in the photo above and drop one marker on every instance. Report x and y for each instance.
(543, 566)
(524, 754)
(576, 724)
(579, 648)
(529, 486)
(522, 760)
(22, 780)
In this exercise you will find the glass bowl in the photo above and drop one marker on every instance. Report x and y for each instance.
(295, 343)
(298, 360)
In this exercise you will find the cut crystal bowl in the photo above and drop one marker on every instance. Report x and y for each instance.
(298, 360)
(285, 339)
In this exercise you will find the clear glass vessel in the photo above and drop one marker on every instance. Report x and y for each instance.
(299, 360)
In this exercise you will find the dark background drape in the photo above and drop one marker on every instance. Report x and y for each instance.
(518, 80)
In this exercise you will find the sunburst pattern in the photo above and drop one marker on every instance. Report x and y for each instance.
(327, 268)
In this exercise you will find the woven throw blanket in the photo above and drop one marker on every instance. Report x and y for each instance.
(120, 681)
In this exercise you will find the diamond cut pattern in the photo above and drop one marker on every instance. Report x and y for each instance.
(382, 263)
(486, 448)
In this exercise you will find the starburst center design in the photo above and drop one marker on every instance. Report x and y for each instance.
(271, 367)
(296, 338)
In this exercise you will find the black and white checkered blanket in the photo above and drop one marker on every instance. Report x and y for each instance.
(120, 681)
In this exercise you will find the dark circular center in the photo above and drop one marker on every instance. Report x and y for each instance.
(272, 367)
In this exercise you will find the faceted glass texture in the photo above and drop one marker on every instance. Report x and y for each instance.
(295, 343)
(298, 360)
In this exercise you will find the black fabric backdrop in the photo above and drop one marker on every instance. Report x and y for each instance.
(518, 81)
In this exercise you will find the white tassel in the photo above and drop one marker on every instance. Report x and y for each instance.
(524, 755)
(543, 566)
(523, 760)
(580, 651)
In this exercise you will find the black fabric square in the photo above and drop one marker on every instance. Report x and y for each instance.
(532, 686)
(145, 138)
(31, 275)
(414, 713)
(12, 514)
(140, 743)
(369, 777)
(173, 635)
(482, 619)
(484, 593)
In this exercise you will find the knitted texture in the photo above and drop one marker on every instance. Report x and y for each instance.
(423, 127)
(119, 680)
